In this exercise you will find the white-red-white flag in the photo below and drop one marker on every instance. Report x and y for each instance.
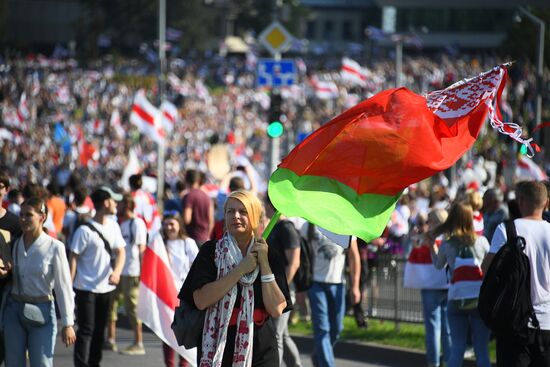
(146, 208)
(158, 296)
(324, 89)
(420, 273)
(169, 116)
(23, 112)
(116, 124)
(35, 86)
(146, 117)
(352, 72)
(63, 94)
(526, 169)
(10, 117)
(98, 126)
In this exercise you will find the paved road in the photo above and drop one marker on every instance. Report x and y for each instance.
(63, 355)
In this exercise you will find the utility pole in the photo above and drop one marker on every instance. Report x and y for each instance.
(275, 142)
(162, 97)
(540, 62)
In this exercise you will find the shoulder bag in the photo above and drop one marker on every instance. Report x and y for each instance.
(30, 313)
(188, 324)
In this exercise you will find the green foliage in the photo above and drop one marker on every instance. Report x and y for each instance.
(136, 81)
(194, 19)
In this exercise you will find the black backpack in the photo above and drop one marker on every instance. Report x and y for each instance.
(303, 279)
(505, 296)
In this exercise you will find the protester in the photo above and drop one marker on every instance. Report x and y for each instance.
(462, 248)
(8, 220)
(10, 229)
(182, 251)
(433, 284)
(327, 294)
(146, 206)
(56, 207)
(94, 248)
(285, 239)
(198, 211)
(39, 265)
(134, 232)
(517, 350)
(494, 211)
(238, 267)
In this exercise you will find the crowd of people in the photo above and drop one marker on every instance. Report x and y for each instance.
(214, 211)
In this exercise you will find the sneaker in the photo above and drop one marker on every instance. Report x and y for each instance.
(469, 353)
(134, 350)
(110, 345)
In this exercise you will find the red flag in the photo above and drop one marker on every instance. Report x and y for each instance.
(348, 175)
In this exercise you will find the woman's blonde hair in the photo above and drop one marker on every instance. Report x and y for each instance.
(436, 217)
(475, 199)
(459, 224)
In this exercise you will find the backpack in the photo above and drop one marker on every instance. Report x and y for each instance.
(303, 279)
(466, 280)
(505, 296)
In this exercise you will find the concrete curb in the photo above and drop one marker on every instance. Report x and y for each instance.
(372, 353)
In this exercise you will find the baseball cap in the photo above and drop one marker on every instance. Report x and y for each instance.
(103, 193)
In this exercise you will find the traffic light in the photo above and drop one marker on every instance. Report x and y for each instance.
(275, 127)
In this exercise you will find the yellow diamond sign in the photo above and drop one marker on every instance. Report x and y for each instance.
(275, 38)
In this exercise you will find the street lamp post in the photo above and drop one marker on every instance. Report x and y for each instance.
(540, 60)
(162, 95)
(398, 60)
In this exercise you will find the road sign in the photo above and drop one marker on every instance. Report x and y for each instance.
(273, 73)
(275, 38)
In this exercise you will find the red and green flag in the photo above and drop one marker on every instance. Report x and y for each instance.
(348, 175)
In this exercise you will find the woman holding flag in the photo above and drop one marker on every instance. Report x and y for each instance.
(242, 285)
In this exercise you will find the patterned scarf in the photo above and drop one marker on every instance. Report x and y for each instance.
(227, 256)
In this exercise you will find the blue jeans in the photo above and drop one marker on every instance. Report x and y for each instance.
(459, 321)
(434, 308)
(20, 337)
(327, 304)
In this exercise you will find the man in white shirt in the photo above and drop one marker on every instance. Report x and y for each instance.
(327, 294)
(134, 232)
(532, 199)
(95, 277)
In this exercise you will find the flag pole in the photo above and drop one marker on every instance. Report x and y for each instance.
(162, 97)
(274, 219)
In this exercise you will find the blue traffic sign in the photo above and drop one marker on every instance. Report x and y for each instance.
(273, 73)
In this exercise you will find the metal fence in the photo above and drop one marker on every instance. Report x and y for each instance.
(386, 297)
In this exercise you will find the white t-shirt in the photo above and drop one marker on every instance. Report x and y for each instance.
(93, 267)
(537, 249)
(330, 258)
(133, 230)
(181, 254)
